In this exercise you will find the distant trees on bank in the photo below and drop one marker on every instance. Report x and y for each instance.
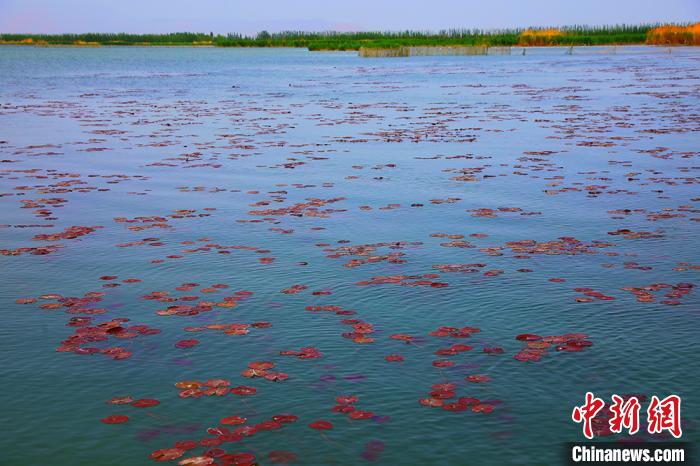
(653, 34)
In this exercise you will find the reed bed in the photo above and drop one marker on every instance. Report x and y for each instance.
(675, 35)
(539, 37)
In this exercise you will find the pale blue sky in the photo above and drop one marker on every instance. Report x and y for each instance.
(250, 16)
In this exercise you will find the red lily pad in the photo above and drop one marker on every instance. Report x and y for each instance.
(115, 419)
(321, 425)
(186, 343)
(360, 414)
(167, 454)
(197, 461)
(233, 420)
(120, 400)
(145, 403)
(478, 378)
(244, 390)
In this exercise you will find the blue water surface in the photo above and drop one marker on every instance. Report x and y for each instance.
(201, 137)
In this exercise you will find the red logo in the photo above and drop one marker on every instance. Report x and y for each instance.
(587, 412)
(665, 415)
(624, 414)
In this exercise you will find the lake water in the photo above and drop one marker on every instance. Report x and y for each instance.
(264, 169)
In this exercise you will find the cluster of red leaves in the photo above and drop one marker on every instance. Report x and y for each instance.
(112, 284)
(591, 294)
(629, 234)
(294, 289)
(230, 329)
(68, 233)
(73, 305)
(331, 308)
(394, 358)
(346, 405)
(405, 280)
(262, 369)
(302, 209)
(408, 339)
(365, 255)
(201, 306)
(211, 387)
(360, 332)
(42, 251)
(565, 245)
(458, 268)
(156, 221)
(220, 435)
(454, 332)
(39, 205)
(127, 400)
(303, 353)
(537, 346)
(493, 213)
(441, 393)
(85, 334)
(645, 294)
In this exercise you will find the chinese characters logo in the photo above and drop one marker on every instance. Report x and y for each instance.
(662, 415)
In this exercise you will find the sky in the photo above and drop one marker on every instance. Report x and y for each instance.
(252, 16)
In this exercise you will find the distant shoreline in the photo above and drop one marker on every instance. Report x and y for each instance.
(79, 46)
(568, 36)
(213, 46)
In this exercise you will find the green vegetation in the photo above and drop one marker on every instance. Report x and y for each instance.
(574, 35)
(355, 40)
(176, 38)
(567, 36)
